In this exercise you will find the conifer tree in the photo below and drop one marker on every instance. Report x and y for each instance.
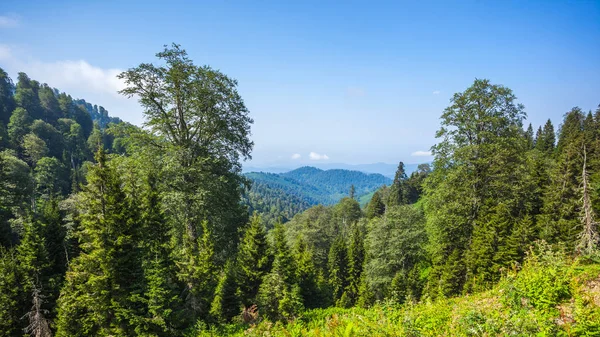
(162, 289)
(529, 137)
(559, 221)
(283, 263)
(338, 268)
(356, 259)
(104, 284)
(279, 295)
(226, 304)
(13, 299)
(376, 207)
(308, 278)
(399, 191)
(253, 260)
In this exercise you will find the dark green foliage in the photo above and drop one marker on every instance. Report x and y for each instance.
(226, 304)
(338, 268)
(394, 246)
(253, 260)
(104, 284)
(376, 207)
(310, 281)
(12, 297)
(399, 191)
(356, 260)
(479, 163)
(274, 203)
(7, 101)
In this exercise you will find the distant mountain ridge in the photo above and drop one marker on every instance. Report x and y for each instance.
(285, 194)
(384, 169)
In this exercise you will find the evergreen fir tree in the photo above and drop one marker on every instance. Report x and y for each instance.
(338, 268)
(162, 289)
(102, 291)
(376, 207)
(253, 260)
(356, 259)
(226, 304)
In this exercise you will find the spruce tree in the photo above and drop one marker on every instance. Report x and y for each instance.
(338, 268)
(104, 284)
(226, 304)
(559, 221)
(376, 207)
(164, 307)
(399, 191)
(356, 260)
(309, 280)
(253, 260)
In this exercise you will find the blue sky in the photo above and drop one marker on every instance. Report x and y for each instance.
(351, 82)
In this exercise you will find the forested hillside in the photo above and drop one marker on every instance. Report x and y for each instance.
(278, 197)
(108, 229)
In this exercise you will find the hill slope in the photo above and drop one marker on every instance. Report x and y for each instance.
(286, 194)
(550, 296)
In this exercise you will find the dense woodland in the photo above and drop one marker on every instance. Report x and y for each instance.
(278, 197)
(109, 229)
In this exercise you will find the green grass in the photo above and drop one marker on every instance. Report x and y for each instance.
(550, 296)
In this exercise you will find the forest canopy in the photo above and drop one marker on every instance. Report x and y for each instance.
(112, 229)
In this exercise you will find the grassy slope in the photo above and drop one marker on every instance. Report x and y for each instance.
(547, 298)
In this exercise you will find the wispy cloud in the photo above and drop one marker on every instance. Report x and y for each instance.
(9, 21)
(436, 92)
(316, 156)
(421, 154)
(296, 156)
(78, 78)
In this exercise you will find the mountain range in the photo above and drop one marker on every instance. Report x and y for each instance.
(282, 195)
(384, 169)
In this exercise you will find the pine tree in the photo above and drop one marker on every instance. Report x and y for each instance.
(529, 137)
(338, 268)
(399, 191)
(376, 207)
(283, 263)
(356, 259)
(253, 260)
(103, 286)
(308, 278)
(162, 290)
(559, 220)
(226, 304)
(13, 300)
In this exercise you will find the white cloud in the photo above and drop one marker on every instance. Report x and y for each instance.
(78, 78)
(421, 154)
(316, 156)
(296, 156)
(436, 92)
(9, 21)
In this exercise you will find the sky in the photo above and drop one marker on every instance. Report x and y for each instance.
(351, 82)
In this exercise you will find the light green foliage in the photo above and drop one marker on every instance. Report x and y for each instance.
(565, 306)
(394, 246)
(478, 163)
(18, 126)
